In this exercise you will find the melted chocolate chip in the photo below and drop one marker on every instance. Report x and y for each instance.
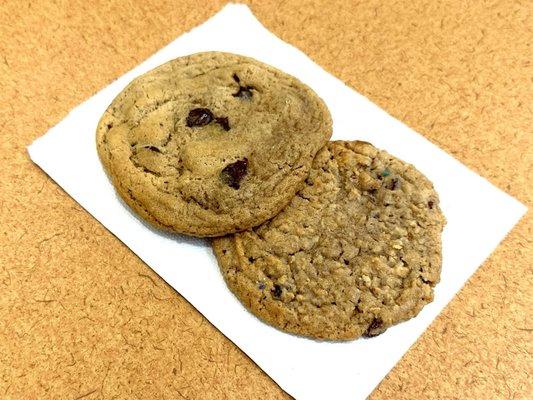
(431, 204)
(376, 324)
(199, 117)
(233, 173)
(277, 291)
(372, 191)
(245, 92)
(236, 78)
(223, 122)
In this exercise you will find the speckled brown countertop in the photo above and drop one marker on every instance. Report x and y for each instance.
(81, 317)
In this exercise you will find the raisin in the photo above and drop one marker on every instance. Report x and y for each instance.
(233, 173)
(376, 324)
(394, 183)
(277, 291)
(199, 117)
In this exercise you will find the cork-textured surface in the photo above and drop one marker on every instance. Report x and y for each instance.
(82, 318)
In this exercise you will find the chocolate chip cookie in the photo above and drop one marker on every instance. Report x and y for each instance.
(357, 250)
(211, 143)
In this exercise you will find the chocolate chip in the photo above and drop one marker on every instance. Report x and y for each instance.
(372, 191)
(109, 126)
(223, 122)
(431, 204)
(394, 183)
(374, 326)
(261, 286)
(245, 92)
(346, 262)
(153, 148)
(233, 173)
(251, 259)
(199, 117)
(277, 291)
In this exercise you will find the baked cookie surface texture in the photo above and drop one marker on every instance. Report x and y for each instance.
(357, 250)
(211, 143)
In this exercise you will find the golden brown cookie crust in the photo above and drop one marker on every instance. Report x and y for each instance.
(211, 143)
(357, 250)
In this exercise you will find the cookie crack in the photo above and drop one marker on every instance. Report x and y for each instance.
(143, 168)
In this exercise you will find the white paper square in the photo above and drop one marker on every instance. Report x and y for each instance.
(479, 216)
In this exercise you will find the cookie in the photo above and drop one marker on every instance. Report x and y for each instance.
(357, 250)
(211, 143)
